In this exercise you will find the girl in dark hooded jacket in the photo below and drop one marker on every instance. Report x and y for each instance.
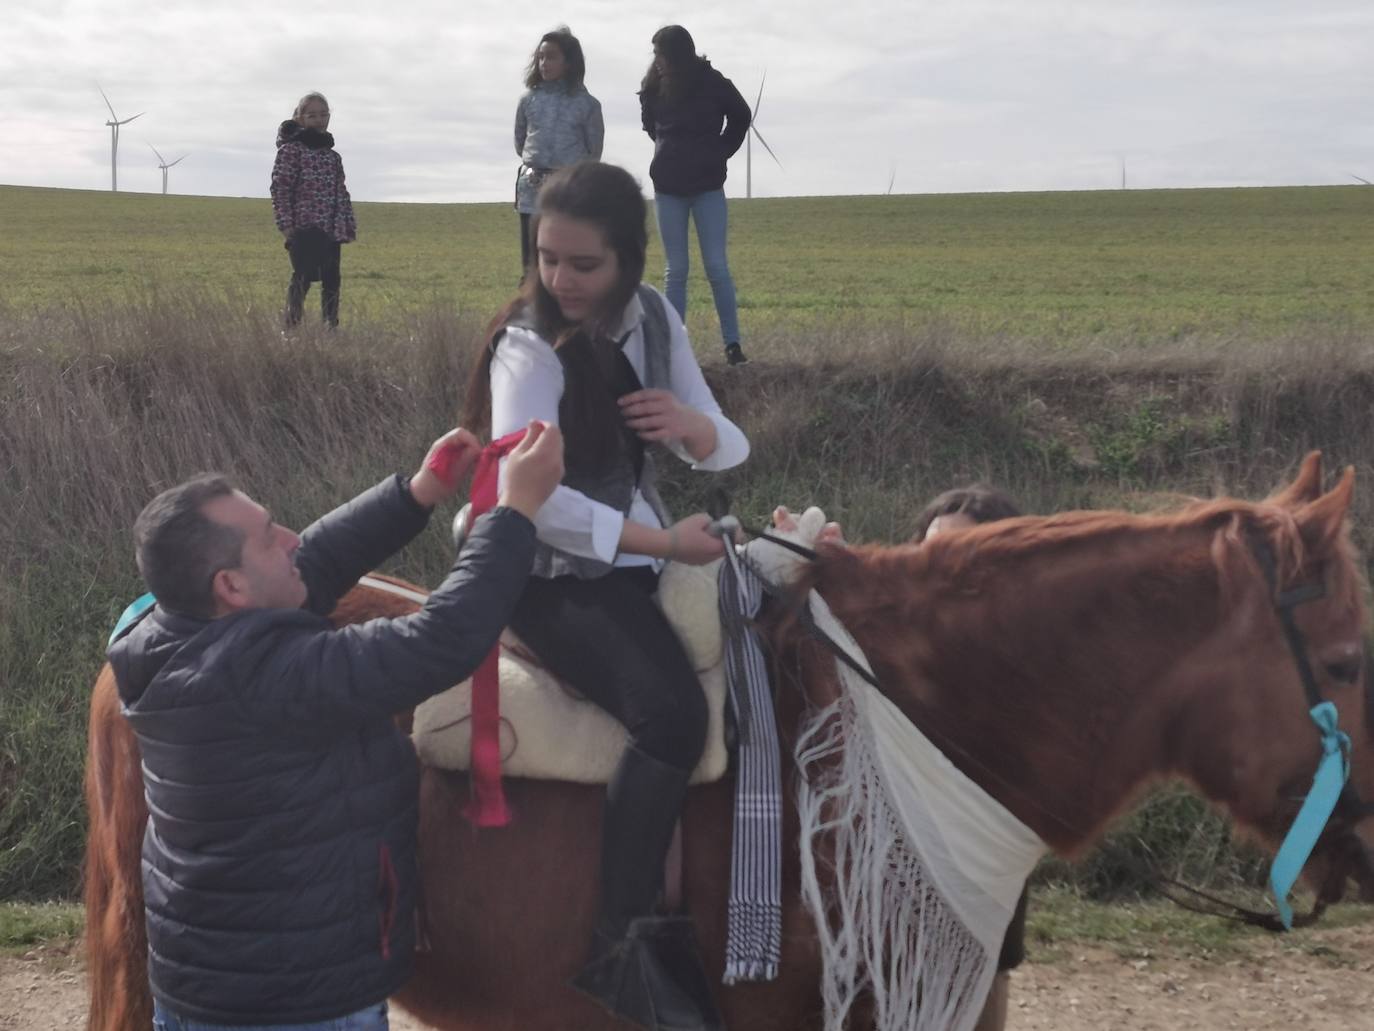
(311, 205)
(697, 120)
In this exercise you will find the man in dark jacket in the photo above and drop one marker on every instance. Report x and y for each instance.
(279, 866)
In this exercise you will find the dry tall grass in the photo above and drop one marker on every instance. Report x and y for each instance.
(102, 407)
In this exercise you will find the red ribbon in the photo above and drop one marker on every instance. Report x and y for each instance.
(488, 807)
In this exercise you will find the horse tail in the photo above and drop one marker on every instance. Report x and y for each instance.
(116, 938)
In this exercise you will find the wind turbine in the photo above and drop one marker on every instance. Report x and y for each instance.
(114, 123)
(748, 143)
(162, 164)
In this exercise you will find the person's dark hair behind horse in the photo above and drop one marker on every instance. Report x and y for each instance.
(980, 503)
(679, 51)
(608, 197)
(179, 549)
(575, 67)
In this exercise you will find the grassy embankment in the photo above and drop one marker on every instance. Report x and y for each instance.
(1081, 350)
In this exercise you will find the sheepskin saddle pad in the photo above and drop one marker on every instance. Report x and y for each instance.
(550, 732)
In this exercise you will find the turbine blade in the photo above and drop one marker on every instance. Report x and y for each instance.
(759, 100)
(179, 160)
(158, 153)
(113, 116)
(128, 120)
(765, 145)
(1361, 179)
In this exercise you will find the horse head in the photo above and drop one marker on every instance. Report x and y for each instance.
(1290, 561)
(1066, 663)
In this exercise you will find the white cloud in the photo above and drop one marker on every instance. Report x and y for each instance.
(982, 95)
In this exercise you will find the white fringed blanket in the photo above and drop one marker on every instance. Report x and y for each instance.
(910, 870)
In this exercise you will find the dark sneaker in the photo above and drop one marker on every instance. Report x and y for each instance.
(734, 355)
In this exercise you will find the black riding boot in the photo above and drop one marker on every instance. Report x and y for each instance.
(644, 968)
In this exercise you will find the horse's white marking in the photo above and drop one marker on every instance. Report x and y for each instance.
(386, 587)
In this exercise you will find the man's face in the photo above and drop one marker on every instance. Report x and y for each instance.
(266, 576)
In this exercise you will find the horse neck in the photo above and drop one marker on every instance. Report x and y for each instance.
(1047, 674)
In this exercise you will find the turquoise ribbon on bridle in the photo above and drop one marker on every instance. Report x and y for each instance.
(130, 616)
(1332, 773)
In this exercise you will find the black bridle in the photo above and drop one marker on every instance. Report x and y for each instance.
(1350, 805)
(1350, 808)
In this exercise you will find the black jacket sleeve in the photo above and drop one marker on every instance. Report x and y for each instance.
(297, 675)
(737, 117)
(355, 538)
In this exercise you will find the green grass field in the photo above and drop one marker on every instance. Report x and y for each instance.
(1080, 350)
(1120, 266)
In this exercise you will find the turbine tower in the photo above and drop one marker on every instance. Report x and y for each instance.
(749, 140)
(114, 123)
(163, 164)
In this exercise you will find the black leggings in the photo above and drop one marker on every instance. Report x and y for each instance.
(608, 640)
(313, 256)
(1014, 943)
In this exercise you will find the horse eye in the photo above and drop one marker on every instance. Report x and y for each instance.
(1347, 671)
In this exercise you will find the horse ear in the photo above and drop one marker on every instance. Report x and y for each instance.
(1320, 521)
(1307, 487)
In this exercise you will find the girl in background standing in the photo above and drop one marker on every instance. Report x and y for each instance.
(683, 102)
(557, 122)
(311, 204)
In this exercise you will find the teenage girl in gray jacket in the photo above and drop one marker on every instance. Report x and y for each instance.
(557, 122)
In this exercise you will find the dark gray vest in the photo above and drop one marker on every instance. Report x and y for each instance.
(614, 483)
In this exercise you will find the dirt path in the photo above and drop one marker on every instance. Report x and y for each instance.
(1321, 979)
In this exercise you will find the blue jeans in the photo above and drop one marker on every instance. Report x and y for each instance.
(372, 1018)
(708, 211)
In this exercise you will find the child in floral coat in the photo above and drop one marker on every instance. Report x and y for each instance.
(311, 206)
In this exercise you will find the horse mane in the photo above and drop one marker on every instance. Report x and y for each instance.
(871, 577)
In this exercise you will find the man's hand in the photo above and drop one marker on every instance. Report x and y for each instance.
(533, 469)
(447, 463)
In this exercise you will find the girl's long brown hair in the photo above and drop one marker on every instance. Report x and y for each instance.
(678, 49)
(564, 40)
(609, 198)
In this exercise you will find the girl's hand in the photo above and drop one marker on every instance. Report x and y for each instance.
(690, 543)
(658, 415)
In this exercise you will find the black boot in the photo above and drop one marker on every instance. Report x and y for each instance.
(644, 968)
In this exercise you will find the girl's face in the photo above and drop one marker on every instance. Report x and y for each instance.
(576, 265)
(315, 115)
(552, 63)
(660, 63)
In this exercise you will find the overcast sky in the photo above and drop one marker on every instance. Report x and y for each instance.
(948, 96)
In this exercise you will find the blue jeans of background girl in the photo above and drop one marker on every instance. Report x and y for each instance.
(371, 1018)
(707, 210)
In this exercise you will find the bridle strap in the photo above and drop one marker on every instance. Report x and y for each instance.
(1284, 604)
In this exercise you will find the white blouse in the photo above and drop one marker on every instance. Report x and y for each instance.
(527, 383)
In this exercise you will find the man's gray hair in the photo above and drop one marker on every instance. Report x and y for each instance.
(179, 549)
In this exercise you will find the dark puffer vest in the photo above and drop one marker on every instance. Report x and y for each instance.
(279, 865)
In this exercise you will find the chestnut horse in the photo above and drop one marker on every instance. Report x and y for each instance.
(1064, 663)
